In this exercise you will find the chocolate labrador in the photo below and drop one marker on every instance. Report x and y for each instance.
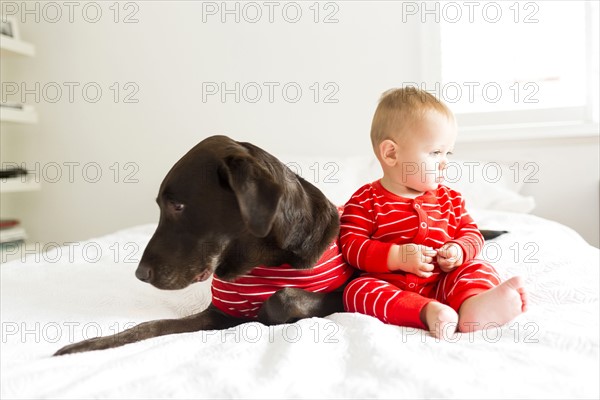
(231, 210)
(228, 207)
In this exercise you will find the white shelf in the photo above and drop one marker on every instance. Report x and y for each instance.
(10, 46)
(19, 184)
(27, 115)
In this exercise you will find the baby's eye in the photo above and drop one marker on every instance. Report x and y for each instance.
(449, 153)
(436, 153)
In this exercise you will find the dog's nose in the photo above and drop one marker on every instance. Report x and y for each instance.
(144, 273)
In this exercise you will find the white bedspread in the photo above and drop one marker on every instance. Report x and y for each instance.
(73, 293)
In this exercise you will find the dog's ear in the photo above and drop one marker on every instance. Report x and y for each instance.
(258, 195)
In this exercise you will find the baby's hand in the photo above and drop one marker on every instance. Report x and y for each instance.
(449, 256)
(413, 258)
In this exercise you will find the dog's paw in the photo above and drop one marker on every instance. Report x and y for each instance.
(70, 349)
(100, 343)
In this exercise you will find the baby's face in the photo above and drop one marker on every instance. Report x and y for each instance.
(423, 152)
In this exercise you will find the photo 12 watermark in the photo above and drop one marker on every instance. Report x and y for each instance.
(473, 92)
(491, 332)
(54, 332)
(69, 92)
(54, 172)
(53, 12)
(253, 12)
(453, 12)
(254, 332)
(473, 171)
(489, 172)
(270, 92)
(88, 252)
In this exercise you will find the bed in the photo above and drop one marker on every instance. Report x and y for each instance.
(89, 289)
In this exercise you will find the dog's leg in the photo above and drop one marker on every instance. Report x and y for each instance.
(292, 304)
(211, 318)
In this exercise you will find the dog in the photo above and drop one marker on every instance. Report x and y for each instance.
(232, 210)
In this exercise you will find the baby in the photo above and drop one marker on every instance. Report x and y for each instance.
(413, 237)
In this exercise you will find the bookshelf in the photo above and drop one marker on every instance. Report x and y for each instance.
(12, 232)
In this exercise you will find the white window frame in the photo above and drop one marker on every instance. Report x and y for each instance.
(566, 122)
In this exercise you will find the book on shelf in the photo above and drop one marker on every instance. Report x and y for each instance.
(14, 106)
(11, 231)
(8, 223)
(12, 172)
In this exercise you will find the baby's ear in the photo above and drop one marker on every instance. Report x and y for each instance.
(387, 152)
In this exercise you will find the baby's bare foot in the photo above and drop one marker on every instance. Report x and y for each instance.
(496, 306)
(441, 320)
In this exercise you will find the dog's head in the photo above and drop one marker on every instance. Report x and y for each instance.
(227, 207)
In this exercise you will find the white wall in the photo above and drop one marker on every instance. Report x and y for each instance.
(562, 175)
(170, 53)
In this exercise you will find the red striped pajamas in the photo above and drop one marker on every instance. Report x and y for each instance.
(244, 296)
(374, 219)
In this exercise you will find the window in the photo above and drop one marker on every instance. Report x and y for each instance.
(512, 63)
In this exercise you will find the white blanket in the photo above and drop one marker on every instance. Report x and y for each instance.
(89, 289)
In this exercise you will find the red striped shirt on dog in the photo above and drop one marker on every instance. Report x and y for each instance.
(244, 296)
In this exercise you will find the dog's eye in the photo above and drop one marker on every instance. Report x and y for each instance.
(177, 206)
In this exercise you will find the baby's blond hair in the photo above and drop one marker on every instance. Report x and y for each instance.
(399, 108)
